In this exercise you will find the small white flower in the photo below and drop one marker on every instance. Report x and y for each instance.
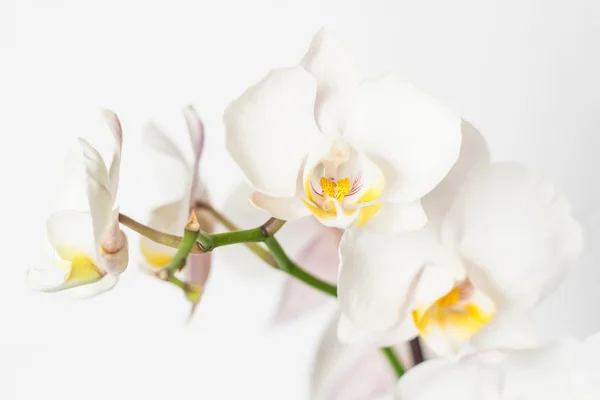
(315, 139)
(497, 241)
(179, 179)
(91, 249)
(565, 370)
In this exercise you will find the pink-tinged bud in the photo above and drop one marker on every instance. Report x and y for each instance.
(114, 251)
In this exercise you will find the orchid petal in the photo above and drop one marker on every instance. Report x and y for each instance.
(285, 208)
(337, 79)
(271, 128)
(515, 231)
(397, 218)
(350, 333)
(539, 373)
(442, 379)
(98, 191)
(115, 127)
(413, 138)
(169, 218)
(71, 233)
(155, 139)
(377, 275)
(171, 172)
(557, 371)
(196, 131)
(474, 154)
(77, 289)
(509, 329)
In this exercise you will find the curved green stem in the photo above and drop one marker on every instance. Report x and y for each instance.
(183, 251)
(229, 238)
(256, 248)
(286, 265)
(201, 242)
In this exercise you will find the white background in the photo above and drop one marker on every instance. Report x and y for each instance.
(526, 73)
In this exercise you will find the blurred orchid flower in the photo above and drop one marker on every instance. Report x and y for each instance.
(90, 248)
(558, 371)
(179, 178)
(352, 371)
(314, 139)
(497, 241)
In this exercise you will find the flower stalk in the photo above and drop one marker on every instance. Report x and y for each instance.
(256, 248)
(286, 265)
(187, 243)
(157, 236)
(198, 241)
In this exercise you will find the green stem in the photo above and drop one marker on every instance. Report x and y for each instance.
(183, 251)
(256, 248)
(203, 242)
(177, 282)
(392, 358)
(286, 265)
(229, 238)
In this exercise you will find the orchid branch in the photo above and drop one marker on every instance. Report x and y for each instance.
(186, 244)
(256, 248)
(206, 242)
(157, 236)
(288, 266)
(190, 236)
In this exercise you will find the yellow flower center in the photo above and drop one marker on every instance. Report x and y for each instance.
(458, 311)
(82, 268)
(335, 189)
(343, 187)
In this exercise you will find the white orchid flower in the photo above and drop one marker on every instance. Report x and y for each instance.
(498, 240)
(178, 178)
(565, 370)
(314, 139)
(91, 250)
(353, 371)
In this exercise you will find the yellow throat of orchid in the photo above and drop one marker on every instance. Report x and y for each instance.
(461, 313)
(79, 267)
(342, 193)
(335, 189)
